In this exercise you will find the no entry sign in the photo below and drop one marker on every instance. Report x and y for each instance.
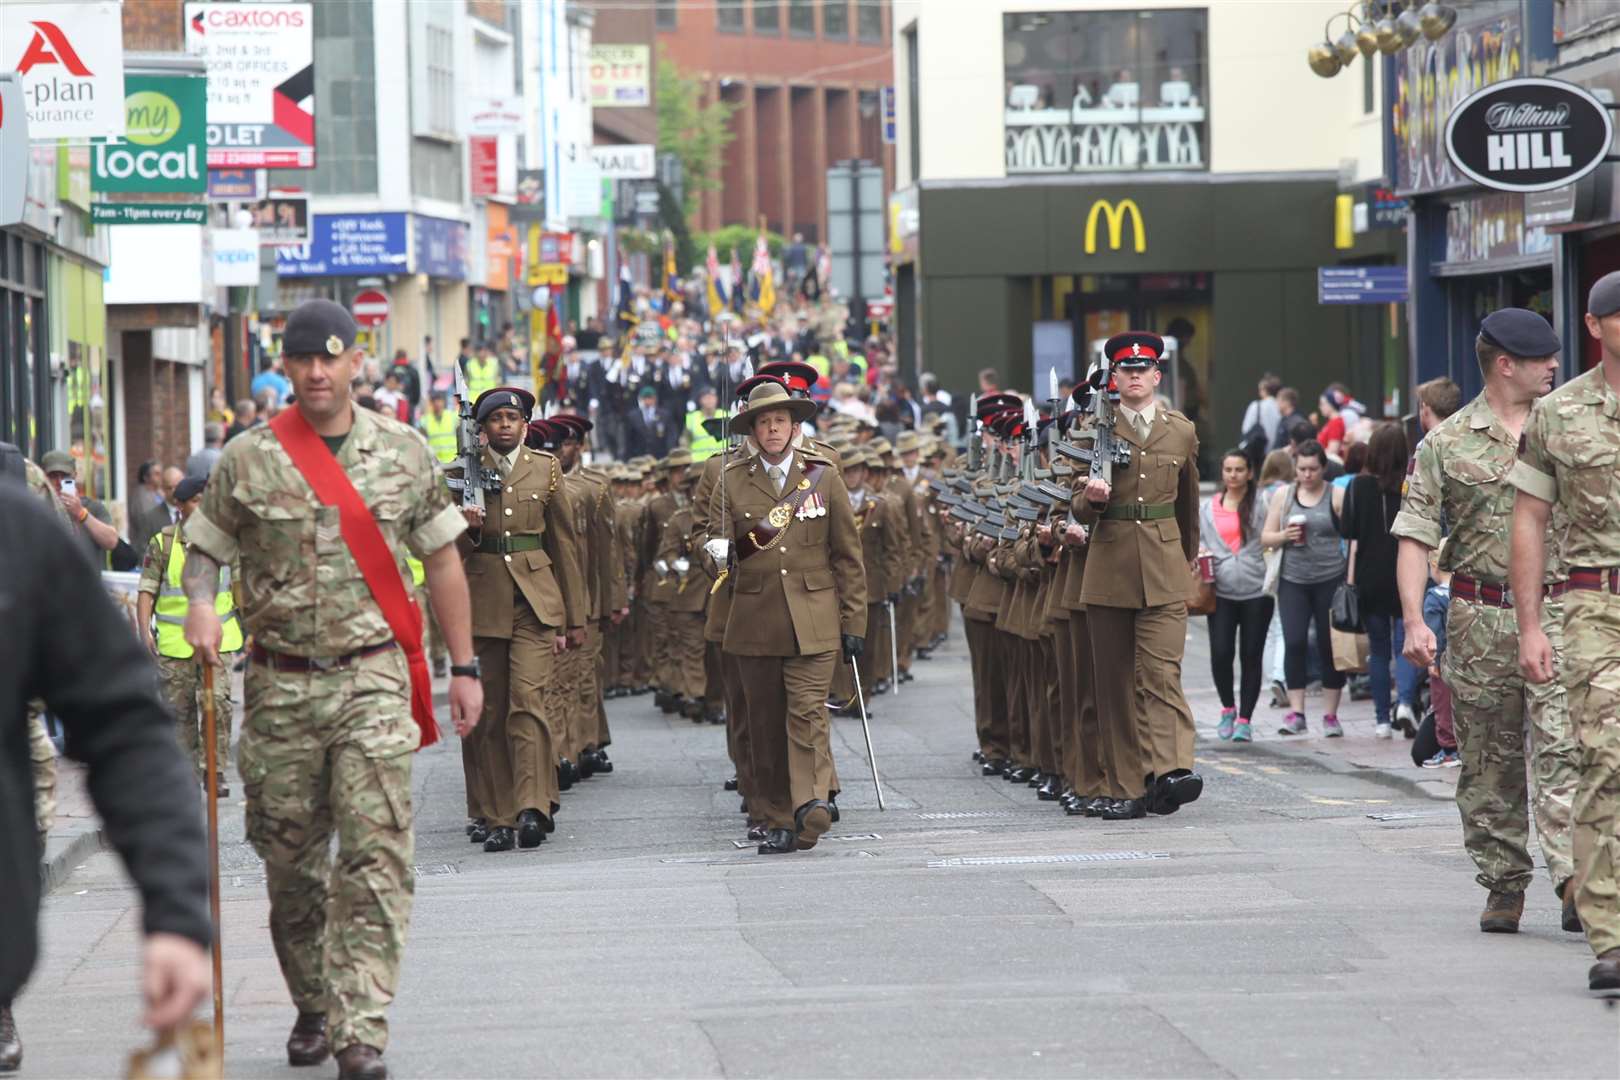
(370, 308)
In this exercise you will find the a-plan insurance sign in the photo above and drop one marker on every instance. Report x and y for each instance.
(71, 59)
(164, 147)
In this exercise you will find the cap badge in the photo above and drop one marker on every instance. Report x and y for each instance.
(334, 345)
(779, 516)
(1136, 349)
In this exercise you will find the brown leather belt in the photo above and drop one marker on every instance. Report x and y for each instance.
(1595, 578)
(1491, 594)
(287, 662)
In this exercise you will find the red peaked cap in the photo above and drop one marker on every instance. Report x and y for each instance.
(577, 425)
(999, 420)
(994, 403)
(796, 375)
(1134, 348)
(746, 387)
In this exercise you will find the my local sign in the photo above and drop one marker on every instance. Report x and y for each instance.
(164, 147)
(631, 161)
(1528, 134)
(370, 308)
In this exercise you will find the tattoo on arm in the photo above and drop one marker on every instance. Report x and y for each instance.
(200, 577)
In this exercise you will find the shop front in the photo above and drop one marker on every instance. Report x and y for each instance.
(1028, 276)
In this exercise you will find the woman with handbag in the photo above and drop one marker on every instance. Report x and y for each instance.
(1303, 522)
(1370, 505)
(1229, 531)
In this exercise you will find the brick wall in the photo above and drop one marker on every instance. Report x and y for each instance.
(157, 407)
(155, 26)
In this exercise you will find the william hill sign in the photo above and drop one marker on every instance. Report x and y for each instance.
(1529, 134)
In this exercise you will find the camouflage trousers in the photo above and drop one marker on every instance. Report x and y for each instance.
(1493, 710)
(323, 752)
(1591, 672)
(182, 688)
(432, 637)
(42, 761)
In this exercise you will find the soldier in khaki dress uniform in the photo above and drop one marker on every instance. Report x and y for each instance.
(524, 578)
(799, 601)
(1460, 476)
(1138, 574)
(328, 728)
(679, 550)
(881, 557)
(1567, 460)
(657, 585)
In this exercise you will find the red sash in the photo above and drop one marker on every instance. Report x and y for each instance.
(371, 554)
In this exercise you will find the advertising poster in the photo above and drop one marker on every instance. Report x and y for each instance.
(261, 83)
(71, 59)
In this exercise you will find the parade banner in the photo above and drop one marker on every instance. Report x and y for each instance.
(261, 82)
(164, 145)
(71, 60)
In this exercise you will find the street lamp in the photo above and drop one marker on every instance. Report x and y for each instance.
(1436, 19)
(1378, 26)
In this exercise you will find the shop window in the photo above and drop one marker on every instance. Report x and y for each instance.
(802, 18)
(767, 16)
(1105, 91)
(665, 15)
(869, 20)
(728, 16)
(835, 19)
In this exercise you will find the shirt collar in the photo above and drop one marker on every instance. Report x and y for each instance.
(1146, 414)
(511, 459)
(786, 464)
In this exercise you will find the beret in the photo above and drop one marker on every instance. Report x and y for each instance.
(503, 397)
(1519, 332)
(1604, 299)
(319, 328)
(189, 488)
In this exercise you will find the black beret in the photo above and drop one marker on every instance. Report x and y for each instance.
(1519, 332)
(319, 328)
(503, 397)
(189, 488)
(1604, 299)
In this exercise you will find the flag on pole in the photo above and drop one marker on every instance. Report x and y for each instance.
(625, 311)
(738, 294)
(717, 288)
(670, 293)
(764, 286)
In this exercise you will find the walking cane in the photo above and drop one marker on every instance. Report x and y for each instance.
(894, 651)
(211, 782)
(866, 729)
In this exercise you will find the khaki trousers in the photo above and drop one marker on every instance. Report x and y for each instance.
(1083, 758)
(989, 693)
(1015, 687)
(683, 631)
(905, 620)
(517, 756)
(1049, 752)
(788, 733)
(738, 743)
(1137, 653)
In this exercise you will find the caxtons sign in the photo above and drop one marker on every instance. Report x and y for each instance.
(165, 126)
(1528, 134)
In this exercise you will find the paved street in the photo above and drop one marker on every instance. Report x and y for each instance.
(1300, 920)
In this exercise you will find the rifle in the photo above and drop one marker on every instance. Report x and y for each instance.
(474, 479)
(1107, 449)
(724, 520)
(975, 446)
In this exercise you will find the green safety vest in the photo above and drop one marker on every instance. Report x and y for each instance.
(441, 434)
(418, 571)
(482, 375)
(172, 606)
(820, 363)
(704, 445)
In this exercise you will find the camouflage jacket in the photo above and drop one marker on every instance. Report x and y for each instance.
(1570, 457)
(300, 589)
(1460, 475)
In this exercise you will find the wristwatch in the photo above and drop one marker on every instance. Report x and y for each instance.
(471, 671)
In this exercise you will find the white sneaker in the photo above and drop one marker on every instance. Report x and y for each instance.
(1405, 719)
(1382, 731)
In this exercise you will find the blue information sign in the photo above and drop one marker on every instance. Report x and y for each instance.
(1361, 285)
(441, 247)
(342, 245)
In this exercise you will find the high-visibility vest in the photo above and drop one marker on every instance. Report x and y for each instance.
(482, 375)
(172, 606)
(418, 571)
(703, 445)
(441, 434)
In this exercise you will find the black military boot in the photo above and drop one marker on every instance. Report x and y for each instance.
(10, 1041)
(307, 1044)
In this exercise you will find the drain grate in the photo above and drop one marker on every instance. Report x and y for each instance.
(953, 815)
(1024, 860)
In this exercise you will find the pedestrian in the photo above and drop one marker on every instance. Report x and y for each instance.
(439, 425)
(1229, 531)
(1371, 502)
(1292, 427)
(1331, 432)
(338, 690)
(92, 526)
(247, 415)
(162, 598)
(648, 429)
(201, 462)
(1136, 584)
(1303, 523)
(795, 616)
(61, 626)
(1262, 417)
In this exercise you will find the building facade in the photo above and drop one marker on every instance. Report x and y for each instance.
(1168, 166)
(806, 80)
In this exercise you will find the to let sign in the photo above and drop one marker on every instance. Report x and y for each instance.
(1528, 134)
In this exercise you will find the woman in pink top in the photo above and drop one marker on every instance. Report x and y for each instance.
(1229, 528)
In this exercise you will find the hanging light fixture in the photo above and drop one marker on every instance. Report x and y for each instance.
(1408, 27)
(1324, 59)
(1389, 39)
(1436, 19)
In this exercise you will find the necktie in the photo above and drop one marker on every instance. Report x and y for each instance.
(778, 477)
(1142, 427)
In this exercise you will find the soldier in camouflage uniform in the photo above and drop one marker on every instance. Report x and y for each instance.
(41, 752)
(328, 729)
(1459, 476)
(1568, 466)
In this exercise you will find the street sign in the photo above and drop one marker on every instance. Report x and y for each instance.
(1361, 285)
(370, 308)
(1528, 134)
(629, 161)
